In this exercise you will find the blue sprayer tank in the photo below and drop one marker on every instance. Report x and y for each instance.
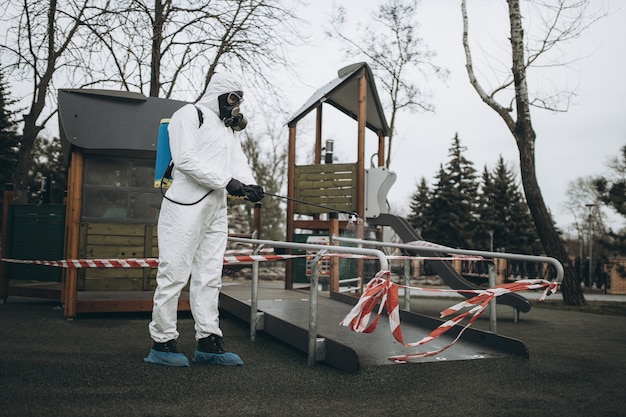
(163, 154)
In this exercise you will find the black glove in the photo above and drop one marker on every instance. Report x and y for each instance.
(253, 193)
(235, 188)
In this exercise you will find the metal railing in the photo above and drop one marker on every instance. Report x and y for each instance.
(444, 249)
(315, 344)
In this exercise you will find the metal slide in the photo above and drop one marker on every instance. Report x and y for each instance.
(443, 268)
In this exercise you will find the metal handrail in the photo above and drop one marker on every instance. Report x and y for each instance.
(384, 264)
(439, 248)
(315, 351)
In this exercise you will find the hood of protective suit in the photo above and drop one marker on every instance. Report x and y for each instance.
(221, 83)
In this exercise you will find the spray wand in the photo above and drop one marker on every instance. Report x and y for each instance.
(350, 213)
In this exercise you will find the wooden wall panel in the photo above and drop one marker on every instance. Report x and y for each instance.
(117, 241)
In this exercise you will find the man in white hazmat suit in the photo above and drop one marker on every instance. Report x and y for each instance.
(192, 235)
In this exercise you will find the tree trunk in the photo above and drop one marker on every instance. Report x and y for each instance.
(551, 241)
(524, 134)
(31, 128)
(25, 158)
(157, 39)
(525, 137)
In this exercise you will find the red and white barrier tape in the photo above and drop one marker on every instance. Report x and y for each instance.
(259, 258)
(379, 290)
(140, 263)
(384, 292)
(92, 263)
(154, 262)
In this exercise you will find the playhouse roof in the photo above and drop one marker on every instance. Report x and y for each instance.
(111, 120)
(342, 93)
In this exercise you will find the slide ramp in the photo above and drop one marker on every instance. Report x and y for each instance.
(443, 268)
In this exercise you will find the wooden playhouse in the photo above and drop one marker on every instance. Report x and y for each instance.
(109, 139)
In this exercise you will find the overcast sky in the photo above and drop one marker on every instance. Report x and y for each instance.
(569, 145)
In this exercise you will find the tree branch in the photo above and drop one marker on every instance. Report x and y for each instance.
(504, 112)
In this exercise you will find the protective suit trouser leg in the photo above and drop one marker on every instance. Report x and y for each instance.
(206, 278)
(177, 244)
(165, 310)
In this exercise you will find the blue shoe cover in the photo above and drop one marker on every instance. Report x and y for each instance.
(226, 359)
(167, 358)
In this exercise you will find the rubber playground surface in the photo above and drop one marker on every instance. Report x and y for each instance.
(93, 366)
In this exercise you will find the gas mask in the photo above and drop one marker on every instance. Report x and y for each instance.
(229, 110)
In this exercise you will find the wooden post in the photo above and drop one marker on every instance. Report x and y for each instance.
(318, 135)
(501, 267)
(72, 229)
(318, 141)
(333, 230)
(360, 168)
(9, 195)
(291, 172)
(457, 265)
(381, 149)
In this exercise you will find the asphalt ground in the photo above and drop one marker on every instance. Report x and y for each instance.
(93, 366)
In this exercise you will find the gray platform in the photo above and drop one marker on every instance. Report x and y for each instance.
(286, 318)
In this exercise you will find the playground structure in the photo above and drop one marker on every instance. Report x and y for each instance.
(109, 140)
(363, 191)
(338, 187)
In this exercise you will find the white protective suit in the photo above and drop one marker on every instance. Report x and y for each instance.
(192, 239)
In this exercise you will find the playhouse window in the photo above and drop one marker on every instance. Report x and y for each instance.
(119, 189)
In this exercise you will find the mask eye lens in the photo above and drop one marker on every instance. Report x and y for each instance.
(234, 98)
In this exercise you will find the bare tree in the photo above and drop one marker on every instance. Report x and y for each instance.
(394, 51)
(612, 193)
(38, 49)
(169, 49)
(564, 20)
(581, 195)
(266, 150)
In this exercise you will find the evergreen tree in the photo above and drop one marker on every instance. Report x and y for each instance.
(462, 212)
(420, 207)
(487, 214)
(443, 217)
(455, 201)
(466, 186)
(9, 138)
(508, 214)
